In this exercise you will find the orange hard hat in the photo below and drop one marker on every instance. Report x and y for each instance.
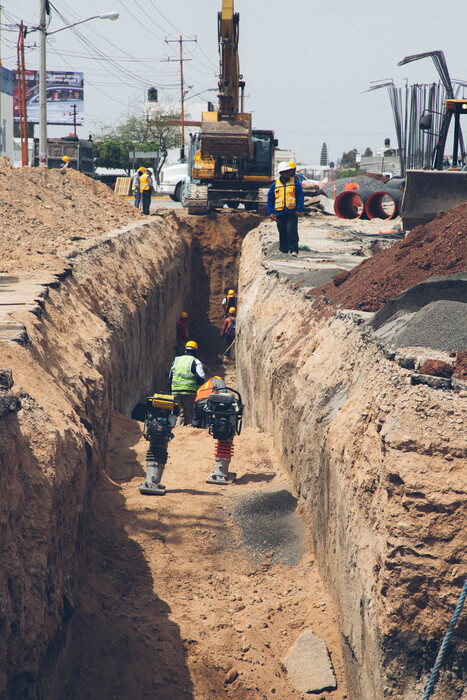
(184, 314)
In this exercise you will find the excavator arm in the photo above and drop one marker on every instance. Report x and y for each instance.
(227, 132)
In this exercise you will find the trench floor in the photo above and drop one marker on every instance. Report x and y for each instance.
(202, 592)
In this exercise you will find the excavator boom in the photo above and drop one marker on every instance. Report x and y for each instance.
(227, 132)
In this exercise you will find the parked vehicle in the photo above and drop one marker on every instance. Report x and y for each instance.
(172, 181)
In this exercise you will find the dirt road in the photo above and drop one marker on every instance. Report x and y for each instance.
(206, 588)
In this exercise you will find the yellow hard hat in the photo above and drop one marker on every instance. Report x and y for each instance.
(66, 159)
(292, 165)
(184, 314)
(231, 291)
(232, 310)
(142, 168)
(191, 344)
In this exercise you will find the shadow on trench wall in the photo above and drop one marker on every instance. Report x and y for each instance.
(215, 250)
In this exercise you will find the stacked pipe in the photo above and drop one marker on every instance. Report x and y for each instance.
(365, 204)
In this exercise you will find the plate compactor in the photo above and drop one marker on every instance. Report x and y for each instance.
(223, 410)
(161, 415)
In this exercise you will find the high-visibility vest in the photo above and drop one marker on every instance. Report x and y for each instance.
(143, 182)
(231, 301)
(183, 379)
(285, 194)
(207, 388)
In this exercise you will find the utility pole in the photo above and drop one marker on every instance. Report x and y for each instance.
(182, 91)
(23, 119)
(43, 86)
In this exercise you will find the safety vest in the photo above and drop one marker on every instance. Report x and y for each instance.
(183, 379)
(231, 301)
(285, 194)
(143, 182)
(207, 388)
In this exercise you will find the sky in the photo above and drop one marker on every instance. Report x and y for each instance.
(307, 64)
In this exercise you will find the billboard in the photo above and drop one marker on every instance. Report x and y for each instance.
(64, 91)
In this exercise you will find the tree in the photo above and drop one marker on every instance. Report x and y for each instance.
(368, 152)
(139, 131)
(348, 159)
(324, 155)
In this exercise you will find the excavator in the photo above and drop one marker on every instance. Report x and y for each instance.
(230, 162)
(427, 192)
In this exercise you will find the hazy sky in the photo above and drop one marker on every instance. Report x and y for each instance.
(307, 64)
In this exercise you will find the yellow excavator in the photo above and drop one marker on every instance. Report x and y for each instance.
(230, 163)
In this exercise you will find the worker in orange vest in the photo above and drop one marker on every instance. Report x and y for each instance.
(202, 395)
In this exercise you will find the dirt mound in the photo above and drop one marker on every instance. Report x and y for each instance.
(437, 249)
(44, 210)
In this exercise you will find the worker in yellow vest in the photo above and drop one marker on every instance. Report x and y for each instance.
(146, 187)
(285, 201)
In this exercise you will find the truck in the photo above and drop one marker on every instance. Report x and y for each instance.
(80, 153)
(231, 164)
(172, 181)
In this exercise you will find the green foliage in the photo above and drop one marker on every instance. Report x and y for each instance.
(349, 173)
(348, 159)
(368, 153)
(139, 131)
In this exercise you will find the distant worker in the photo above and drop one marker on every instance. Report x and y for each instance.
(146, 187)
(203, 393)
(228, 331)
(228, 301)
(285, 201)
(293, 167)
(186, 375)
(65, 163)
(182, 332)
(137, 185)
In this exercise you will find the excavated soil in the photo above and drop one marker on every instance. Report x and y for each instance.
(434, 250)
(173, 599)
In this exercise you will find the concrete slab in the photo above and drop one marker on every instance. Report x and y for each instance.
(309, 666)
(23, 292)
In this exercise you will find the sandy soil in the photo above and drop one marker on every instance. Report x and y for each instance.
(203, 614)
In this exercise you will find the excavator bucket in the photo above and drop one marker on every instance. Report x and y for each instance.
(227, 137)
(427, 192)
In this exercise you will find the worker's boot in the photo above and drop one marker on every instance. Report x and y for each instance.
(152, 486)
(220, 473)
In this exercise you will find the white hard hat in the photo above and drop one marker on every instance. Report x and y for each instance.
(283, 166)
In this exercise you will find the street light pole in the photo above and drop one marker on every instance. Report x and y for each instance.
(43, 73)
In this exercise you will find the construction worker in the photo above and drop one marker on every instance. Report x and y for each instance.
(186, 375)
(293, 167)
(65, 163)
(228, 331)
(146, 188)
(182, 332)
(202, 395)
(285, 201)
(137, 184)
(229, 301)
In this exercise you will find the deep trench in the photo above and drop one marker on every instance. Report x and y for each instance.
(73, 661)
(128, 292)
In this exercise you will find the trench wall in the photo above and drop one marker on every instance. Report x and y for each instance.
(100, 339)
(379, 482)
